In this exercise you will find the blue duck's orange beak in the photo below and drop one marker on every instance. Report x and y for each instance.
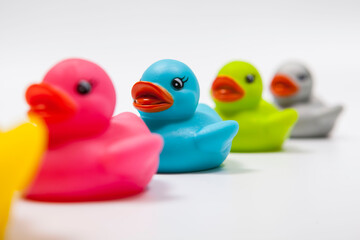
(50, 103)
(225, 89)
(283, 86)
(149, 97)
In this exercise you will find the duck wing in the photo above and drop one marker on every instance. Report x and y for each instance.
(216, 137)
(135, 159)
(278, 126)
(317, 122)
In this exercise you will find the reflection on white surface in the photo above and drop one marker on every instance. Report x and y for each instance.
(308, 191)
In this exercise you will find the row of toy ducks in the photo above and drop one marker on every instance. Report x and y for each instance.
(77, 150)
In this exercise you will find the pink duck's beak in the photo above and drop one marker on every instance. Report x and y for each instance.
(50, 103)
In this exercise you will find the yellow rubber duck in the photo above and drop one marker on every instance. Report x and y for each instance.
(20, 152)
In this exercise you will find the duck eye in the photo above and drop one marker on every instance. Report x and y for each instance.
(250, 78)
(177, 83)
(302, 77)
(84, 87)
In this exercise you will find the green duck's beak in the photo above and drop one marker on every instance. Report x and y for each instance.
(225, 89)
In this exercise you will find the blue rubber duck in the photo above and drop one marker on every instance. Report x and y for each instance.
(195, 136)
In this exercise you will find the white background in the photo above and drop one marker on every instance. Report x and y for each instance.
(308, 191)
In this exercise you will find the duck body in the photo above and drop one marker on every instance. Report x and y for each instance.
(316, 120)
(195, 136)
(292, 87)
(262, 129)
(20, 153)
(237, 94)
(91, 155)
(201, 142)
(117, 163)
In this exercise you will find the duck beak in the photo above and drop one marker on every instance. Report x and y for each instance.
(283, 86)
(50, 103)
(150, 97)
(225, 89)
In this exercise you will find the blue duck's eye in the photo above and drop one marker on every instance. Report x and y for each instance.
(250, 78)
(302, 76)
(84, 87)
(177, 83)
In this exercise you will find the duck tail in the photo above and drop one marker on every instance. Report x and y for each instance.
(333, 112)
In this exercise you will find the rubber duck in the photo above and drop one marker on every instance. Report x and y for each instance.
(236, 92)
(91, 155)
(292, 87)
(195, 137)
(20, 153)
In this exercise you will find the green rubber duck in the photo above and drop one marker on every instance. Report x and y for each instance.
(236, 92)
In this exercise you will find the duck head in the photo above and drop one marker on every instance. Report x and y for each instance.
(291, 84)
(168, 90)
(76, 99)
(238, 86)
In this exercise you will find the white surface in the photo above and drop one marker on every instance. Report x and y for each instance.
(309, 191)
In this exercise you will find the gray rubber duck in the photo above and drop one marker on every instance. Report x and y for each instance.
(292, 87)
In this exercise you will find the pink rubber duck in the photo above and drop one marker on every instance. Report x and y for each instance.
(91, 155)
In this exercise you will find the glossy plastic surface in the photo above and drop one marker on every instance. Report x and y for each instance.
(92, 155)
(195, 136)
(20, 152)
(315, 118)
(237, 94)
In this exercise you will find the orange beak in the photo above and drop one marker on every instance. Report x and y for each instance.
(149, 97)
(283, 86)
(225, 89)
(51, 104)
